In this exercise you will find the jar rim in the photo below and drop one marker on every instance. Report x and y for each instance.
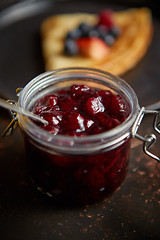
(113, 136)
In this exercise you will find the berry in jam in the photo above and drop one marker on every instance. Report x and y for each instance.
(79, 111)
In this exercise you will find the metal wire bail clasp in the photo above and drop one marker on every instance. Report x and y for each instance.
(14, 120)
(149, 139)
(13, 124)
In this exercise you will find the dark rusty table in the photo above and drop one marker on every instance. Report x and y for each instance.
(132, 212)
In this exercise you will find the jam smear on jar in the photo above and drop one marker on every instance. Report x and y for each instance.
(79, 111)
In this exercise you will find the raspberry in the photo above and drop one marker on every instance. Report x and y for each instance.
(105, 18)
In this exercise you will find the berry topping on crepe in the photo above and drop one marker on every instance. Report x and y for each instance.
(92, 47)
(127, 35)
(92, 41)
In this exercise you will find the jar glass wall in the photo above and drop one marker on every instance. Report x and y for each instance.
(77, 169)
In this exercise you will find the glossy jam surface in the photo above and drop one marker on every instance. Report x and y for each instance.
(81, 111)
(83, 178)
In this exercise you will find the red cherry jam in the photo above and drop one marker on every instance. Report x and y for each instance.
(79, 111)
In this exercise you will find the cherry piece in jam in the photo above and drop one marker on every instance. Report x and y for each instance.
(79, 111)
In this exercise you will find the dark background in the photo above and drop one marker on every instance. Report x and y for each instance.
(154, 5)
(133, 211)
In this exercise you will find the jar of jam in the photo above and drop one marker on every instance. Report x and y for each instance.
(82, 154)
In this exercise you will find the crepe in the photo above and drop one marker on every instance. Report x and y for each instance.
(130, 46)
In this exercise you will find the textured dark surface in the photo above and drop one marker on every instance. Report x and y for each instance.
(132, 212)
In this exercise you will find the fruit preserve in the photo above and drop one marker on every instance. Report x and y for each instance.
(82, 154)
(81, 111)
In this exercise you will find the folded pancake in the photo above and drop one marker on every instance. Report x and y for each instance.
(128, 49)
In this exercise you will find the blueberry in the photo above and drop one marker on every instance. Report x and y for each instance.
(102, 30)
(109, 39)
(75, 33)
(93, 33)
(70, 47)
(115, 31)
(84, 28)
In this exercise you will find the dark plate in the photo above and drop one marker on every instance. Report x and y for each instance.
(132, 212)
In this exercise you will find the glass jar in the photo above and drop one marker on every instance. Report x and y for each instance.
(81, 169)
